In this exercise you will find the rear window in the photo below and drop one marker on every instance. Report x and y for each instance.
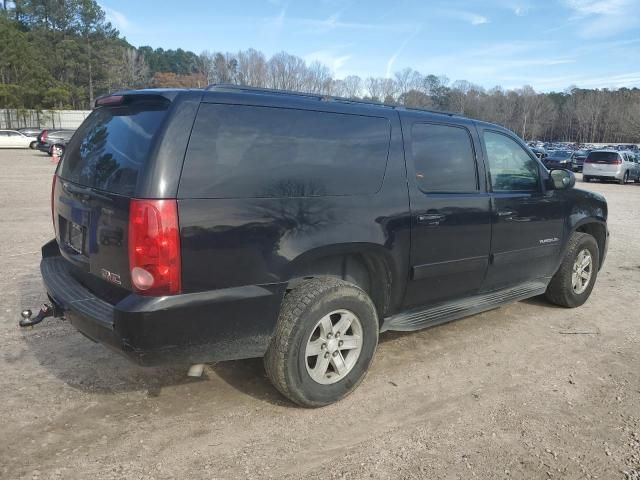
(111, 147)
(246, 151)
(561, 154)
(443, 158)
(602, 157)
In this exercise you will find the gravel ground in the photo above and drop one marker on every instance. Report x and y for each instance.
(525, 391)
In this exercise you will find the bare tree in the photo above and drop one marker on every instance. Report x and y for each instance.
(352, 86)
(252, 68)
(408, 79)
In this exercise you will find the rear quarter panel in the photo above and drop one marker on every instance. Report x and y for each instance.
(256, 241)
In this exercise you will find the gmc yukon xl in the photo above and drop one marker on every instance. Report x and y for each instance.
(204, 225)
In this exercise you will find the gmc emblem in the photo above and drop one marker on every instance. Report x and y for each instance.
(111, 277)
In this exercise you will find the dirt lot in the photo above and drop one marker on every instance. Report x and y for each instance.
(525, 391)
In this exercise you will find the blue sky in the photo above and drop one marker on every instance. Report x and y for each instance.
(549, 44)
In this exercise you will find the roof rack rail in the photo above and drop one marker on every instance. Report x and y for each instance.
(274, 91)
(320, 97)
(441, 112)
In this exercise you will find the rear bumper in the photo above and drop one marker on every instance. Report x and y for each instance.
(225, 324)
(602, 175)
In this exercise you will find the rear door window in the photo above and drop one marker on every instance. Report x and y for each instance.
(443, 158)
(110, 149)
(249, 151)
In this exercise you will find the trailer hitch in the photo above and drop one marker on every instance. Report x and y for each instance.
(46, 310)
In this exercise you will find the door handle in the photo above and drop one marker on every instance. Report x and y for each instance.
(509, 216)
(505, 213)
(431, 218)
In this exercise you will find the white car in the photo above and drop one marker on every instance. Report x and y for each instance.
(13, 139)
(611, 165)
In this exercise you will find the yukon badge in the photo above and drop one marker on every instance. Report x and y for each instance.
(110, 276)
(544, 241)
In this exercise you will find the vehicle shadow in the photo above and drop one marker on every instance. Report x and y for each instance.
(58, 347)
(55, 345)
(249, 377)
(540, 301)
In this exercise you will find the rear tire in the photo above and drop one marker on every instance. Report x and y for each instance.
(33, 145)
(302, 329)
(569, 287)
(625, 178)
(59, 148)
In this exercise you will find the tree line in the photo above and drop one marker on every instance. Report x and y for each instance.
(63, 54)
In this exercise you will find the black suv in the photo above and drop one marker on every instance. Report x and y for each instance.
(227, 223)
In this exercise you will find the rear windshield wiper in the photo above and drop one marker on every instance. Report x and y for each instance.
(86, 192)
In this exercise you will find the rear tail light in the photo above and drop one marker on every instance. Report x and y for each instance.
(154, 247)
(53, 193)
(607, 161)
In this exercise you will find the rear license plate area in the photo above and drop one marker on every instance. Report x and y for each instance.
(75, 237)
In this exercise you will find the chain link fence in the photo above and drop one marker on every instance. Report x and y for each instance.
(17, 118)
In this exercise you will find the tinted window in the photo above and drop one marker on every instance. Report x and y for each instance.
(561, 154)
(510, 167)
(245, 151)
(443, 158)
(602, 157)
(111, 147)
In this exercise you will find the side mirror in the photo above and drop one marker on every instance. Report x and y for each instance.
(562, 179)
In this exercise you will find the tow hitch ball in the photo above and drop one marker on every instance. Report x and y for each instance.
(46, 310)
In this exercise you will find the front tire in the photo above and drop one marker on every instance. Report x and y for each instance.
(324, 342)
(572, 284)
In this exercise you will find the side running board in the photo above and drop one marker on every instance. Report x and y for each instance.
(446, 312)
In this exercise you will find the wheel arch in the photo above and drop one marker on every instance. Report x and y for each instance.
(598, 230)
(369, 266)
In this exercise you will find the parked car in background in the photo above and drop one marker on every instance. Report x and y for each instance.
(579, 158)
(611, 165)
(539, 152)
(559, 159)
(634, 158)
(49, 139)
(235, 222)
(30, 131)
(14, 139)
